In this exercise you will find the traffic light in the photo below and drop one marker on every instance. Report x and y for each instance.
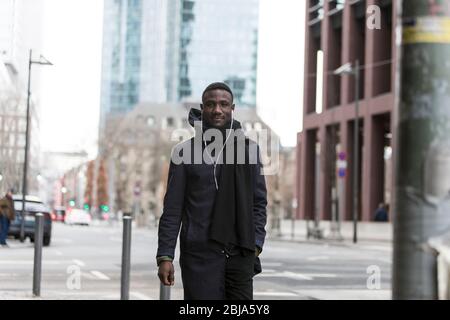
(104, 208)
(86, 207)
(72, 203)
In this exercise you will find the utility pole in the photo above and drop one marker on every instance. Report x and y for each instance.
(422, 193)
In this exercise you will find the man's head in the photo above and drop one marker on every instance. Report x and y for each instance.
(217, 105)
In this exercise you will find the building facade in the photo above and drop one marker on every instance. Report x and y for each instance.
(340, 32)
(20, 31)
(162, 51)
(212, 41)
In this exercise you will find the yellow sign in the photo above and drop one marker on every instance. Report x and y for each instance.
(427, 30)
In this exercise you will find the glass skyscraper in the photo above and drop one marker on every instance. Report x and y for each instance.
(121, 57)
(170, 50)
(212, 40)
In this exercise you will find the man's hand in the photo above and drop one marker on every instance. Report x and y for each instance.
(166, 273)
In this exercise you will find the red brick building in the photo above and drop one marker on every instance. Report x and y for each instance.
(343, 31)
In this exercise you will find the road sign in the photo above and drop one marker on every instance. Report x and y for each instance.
(341, 165)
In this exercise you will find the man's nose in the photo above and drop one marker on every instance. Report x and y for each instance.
(217, 108)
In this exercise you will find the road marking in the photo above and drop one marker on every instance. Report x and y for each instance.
(79, 263)
(27, 262)
(100, 275)
(287, 274)
(320, 275)
(318, 258)
(269, 270)
(275, 294)
(140, 296)
(58, 253)
(271, 264)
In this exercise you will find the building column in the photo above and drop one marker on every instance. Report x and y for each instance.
(324, 176)
(307, 186)
(345, 200)
(346, 40)
(297, 174)
(325, 44)
(370, 57)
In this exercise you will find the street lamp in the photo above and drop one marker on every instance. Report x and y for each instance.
(41, 61)
(348, 69)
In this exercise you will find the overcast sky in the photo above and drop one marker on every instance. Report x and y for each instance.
(71, 88)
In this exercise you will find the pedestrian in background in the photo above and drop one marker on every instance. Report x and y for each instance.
(220, 207)
(7, 214)
(381, 214)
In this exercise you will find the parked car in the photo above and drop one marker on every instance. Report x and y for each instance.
(78, 216)
(33, 205)
(59, 214)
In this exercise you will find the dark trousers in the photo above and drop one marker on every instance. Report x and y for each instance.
(4, 227)
(217, 276)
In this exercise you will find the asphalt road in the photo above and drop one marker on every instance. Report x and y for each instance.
(85, 263)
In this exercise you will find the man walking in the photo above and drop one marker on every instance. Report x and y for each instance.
(7, 214)
(219, 204)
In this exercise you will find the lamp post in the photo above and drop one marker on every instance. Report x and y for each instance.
(348, 69)
(41, 61)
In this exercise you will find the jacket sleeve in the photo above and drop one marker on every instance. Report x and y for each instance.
(260, 205)
(170, 222)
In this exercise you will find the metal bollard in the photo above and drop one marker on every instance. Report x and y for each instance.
(126, 250)
(38, 238)
(164, 292)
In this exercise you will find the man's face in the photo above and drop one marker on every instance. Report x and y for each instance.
(217, 108)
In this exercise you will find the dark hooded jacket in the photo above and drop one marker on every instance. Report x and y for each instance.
(190, 198)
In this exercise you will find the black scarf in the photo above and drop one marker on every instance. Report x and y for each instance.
(232, 222)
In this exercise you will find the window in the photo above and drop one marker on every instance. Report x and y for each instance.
(151, 121)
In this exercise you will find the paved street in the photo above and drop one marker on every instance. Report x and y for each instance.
(291, 270)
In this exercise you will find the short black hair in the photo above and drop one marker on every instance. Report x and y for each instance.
(218, 85)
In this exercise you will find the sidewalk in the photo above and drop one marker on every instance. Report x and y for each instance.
(366, 232)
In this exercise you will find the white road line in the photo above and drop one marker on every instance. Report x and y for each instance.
(140, 296)
(29, 262)
(286, 274)
(268, 270)
(58, 253)
(320, 275)
(79, 262)
(274, 294)
(271, 264)
(318, 258)
(100, 275)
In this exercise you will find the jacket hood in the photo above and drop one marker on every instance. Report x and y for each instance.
(196, 115)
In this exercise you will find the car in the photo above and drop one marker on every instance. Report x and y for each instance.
(33, 205)
(78, 216)
(59, 214)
